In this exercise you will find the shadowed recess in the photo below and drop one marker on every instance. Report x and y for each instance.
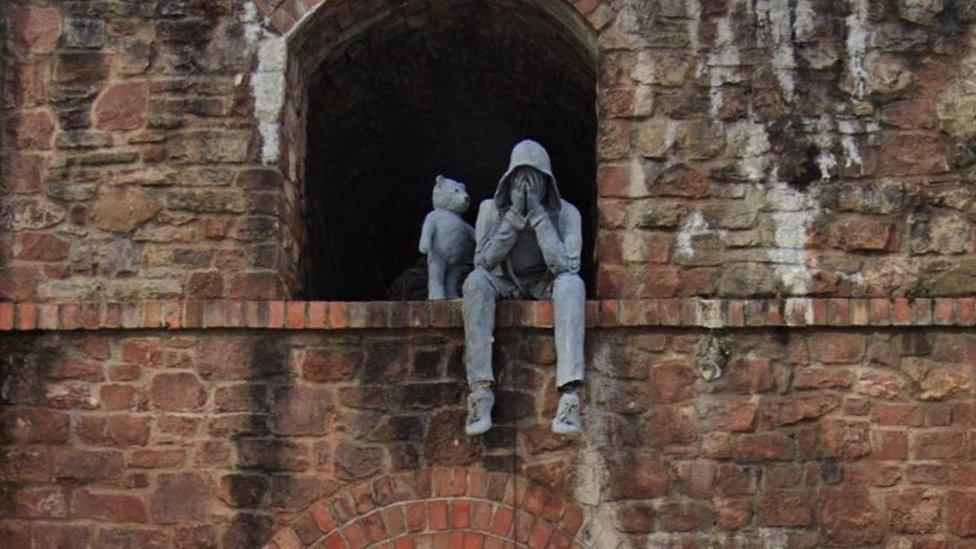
(444, 87)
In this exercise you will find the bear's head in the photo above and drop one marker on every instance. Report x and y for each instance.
(450, 195)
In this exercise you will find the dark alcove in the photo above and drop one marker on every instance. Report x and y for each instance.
(438, 87)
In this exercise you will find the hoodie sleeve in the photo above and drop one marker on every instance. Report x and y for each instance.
(495, 237)
(562, 254)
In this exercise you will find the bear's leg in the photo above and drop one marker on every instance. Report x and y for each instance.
(452, 280)
(435, 278)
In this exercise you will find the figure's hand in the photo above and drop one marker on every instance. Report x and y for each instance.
(517, 196)
(535, 189)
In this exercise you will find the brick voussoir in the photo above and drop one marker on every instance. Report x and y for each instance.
(711, 313)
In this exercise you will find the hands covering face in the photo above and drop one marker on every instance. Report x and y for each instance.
(528, 186)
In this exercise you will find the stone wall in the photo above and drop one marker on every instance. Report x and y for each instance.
(784, 251)
(802, 437)
(156, 148)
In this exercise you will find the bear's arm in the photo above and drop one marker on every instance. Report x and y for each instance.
(427, 234)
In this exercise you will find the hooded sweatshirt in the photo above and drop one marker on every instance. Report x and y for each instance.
(528, 250)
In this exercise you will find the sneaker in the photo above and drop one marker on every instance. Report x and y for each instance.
(480, 402)
(567, 420)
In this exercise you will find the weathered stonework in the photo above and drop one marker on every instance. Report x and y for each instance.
(821, 437)
(752, 125)
(803, 167)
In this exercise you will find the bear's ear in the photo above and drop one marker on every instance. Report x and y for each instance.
(439, 180)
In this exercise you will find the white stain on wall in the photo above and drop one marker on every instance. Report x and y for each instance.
(774, 28)
(857, 45)
(267, 81)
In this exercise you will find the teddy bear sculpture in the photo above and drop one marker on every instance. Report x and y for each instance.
(446, 239)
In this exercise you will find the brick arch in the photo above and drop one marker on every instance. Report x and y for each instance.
(457, 506)
(291, 16)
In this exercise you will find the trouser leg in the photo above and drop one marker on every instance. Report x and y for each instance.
(478, 306)
(569, 302)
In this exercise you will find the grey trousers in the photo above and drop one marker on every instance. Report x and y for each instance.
(481, 290)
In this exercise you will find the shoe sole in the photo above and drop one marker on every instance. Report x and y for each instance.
(566, 432)
(474, 433)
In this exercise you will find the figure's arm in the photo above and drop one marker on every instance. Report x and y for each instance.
(562, 255)
(495, 237)
(427, 234)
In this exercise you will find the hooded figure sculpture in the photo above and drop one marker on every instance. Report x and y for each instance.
(528, 242)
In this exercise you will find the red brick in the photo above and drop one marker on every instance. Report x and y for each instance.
(672, 380)
(730, 415)
(117, 396)
(295, 315)
(911, 154)
(910, 415)
(460, 514)
(19, 283)
(180, 497)
(204, 285)
(834, 348)
(502, 523)
(177, 392)
(940, 445)
(880, 312)
(784, 508)
(845, 440)
(636, 518)
(6, 316)
(254, 285)
(35, 29)
(34, 425)
(416, 517)
(779, 411)
(961, 513)
(965, 311)
(113, 430)
(62, 536)
(32, 130)
(848, 518)
(914, 511)
(107, 507)
(910, 114)
(122, 106)
(302, 411)
(764, 447)
(36, 503)
(21, 173)
(889, 445)
(145, 458)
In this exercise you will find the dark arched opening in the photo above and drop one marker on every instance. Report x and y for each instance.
(437, 87)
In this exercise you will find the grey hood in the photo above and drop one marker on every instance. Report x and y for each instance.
(529, 153)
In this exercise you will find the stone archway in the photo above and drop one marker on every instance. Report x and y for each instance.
(381, 96)
(436, 507)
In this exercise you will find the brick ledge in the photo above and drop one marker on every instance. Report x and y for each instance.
(610, 313)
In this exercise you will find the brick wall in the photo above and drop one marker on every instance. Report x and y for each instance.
(782, 354)
(805, 437)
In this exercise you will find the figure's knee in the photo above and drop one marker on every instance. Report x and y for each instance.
(478, 283)
(568, 286)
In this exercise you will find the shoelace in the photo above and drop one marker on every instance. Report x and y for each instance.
(475, 410)
(567, 412)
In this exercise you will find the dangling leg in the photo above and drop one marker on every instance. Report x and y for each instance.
(569, 302)
(479, 324)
